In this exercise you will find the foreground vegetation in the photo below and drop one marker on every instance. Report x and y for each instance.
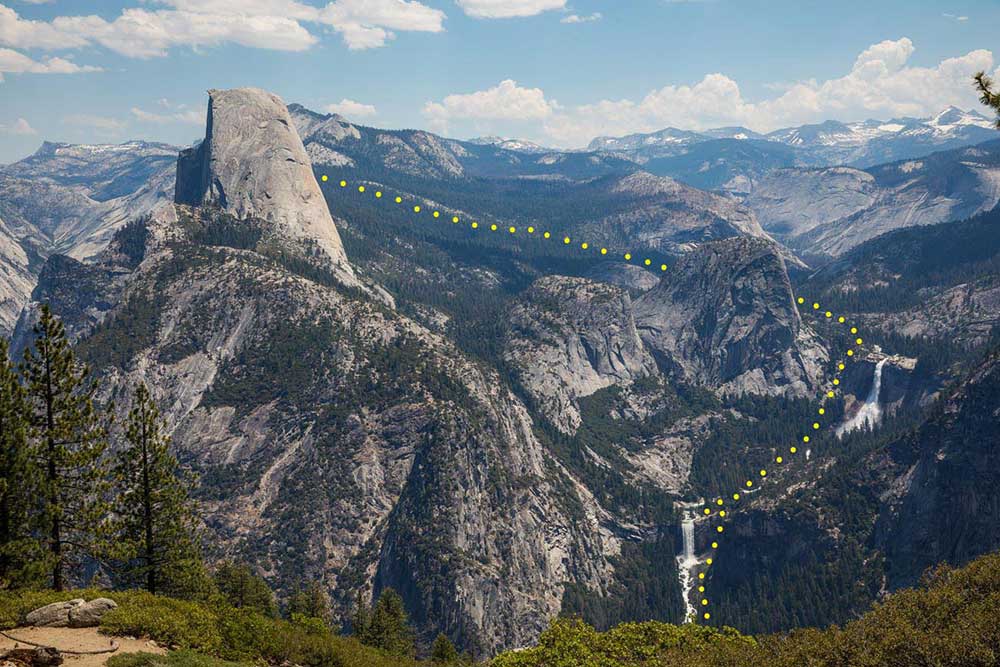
(954, 620)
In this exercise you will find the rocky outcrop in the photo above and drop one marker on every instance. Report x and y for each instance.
(570, 337)
(724, 317)
(252, 165)
(76, 613)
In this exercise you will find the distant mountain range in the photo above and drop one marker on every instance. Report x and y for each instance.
(860, 144)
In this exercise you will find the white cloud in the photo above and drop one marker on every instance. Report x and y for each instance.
(576, 18)
(20, 127)
(881, 83)
(351, 109)
(504, 9)
(265, 24)
(15, 62)
(102, 123)
(955, 17)
(506, 101)
(189, 117)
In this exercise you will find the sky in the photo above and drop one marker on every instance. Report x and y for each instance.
(559, 72)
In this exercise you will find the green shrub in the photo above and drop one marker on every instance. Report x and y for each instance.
(166, 620)
(182, 658)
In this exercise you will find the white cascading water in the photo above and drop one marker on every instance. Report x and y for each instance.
(871, 412)
(687, 561)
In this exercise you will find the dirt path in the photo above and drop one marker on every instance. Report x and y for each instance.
(78, 639)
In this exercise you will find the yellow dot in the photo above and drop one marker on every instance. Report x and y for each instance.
(566, 240)
(749, 483)
(829, 314)
(715, 545)
(361, 188)
(663, 267)
(701, 589)
(343, 184)
(531, 230)
(841, 366)
(475, 225)
(816, 425)
(512, 229)
(454, 219)
(858, 341)
(547, 235)
(378, 194)
(801, 300)
(815, 306)
(836, 381)
(436, 214)
(584, 245)
(701, 575)
(841, 319)
(805, 438)
(763, 473)
(399, 200)
(719, 501)
(493, 228)
(850, 353)
(779, 460)
(854, 330)
(707, 511)
(628, 256)
(822, 411)
(708, 561)
(707, 616)
(719, 529)
(604, 251)
(793, 449)
(324, 178)
(416, 209)
(722, 512)
(704, 602)
(829, 394)
(736, 496)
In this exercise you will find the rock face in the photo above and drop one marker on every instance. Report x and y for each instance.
(55, 615)
(723, 316)
(833, 210)
(252, 164)
(941, 507)
(76, 613)
(571, 337)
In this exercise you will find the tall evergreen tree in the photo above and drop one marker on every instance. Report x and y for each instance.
(309, 601)
(240, 587)
(389, 627)
(69, 438)
(443, 651)
(20, 551)
(155, 519)
(987, 95)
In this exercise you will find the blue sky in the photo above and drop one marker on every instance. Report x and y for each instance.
(556, 71)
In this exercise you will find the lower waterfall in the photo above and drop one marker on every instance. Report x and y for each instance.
(686, 560)
(871, 412)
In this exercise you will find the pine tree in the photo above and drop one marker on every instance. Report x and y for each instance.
(310, 601)
(242, 588)
(389, 628)
(156, 524)
(69, 439)
(20, 551)
(361, 618)
(987, 95)
(443, 651)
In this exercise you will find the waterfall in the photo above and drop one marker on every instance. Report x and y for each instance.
(687, 561)
(870, 413)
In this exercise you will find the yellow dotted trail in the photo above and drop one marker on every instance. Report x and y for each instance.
(778, 460)
(828, 394)
(584, 245)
